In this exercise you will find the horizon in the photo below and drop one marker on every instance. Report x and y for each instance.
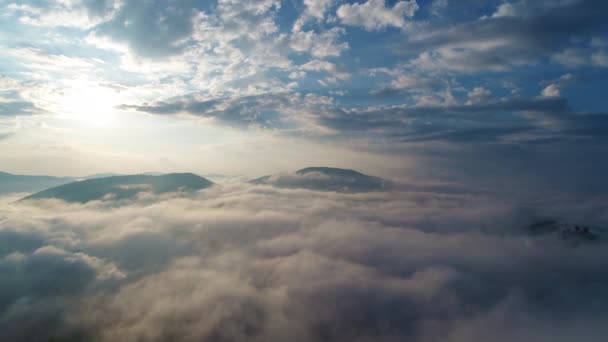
(154, 173)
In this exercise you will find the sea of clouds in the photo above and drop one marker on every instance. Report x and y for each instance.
(240, 262)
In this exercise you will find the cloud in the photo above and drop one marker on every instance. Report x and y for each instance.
(555, 86)
(260, 110)
(486, 118)
(482, 118)
(13, 108)
(581, 57)
(317, 8)
(259, 263)
(374, 15)
(82, 14)
(551, 91)
(151, 29)
(12, 101)
(518, 34)
(322, 44)
(437, 7)
(479, 95)
(600, 58)
(331, 68)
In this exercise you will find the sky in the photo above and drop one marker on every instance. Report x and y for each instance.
(482, 91)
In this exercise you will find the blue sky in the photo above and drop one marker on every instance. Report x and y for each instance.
(248, 87)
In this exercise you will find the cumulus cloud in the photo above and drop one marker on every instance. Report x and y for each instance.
(317, 8)
(551, 91)
(322, 44)
(244, 262)
(478, 95)
(374, 15)
(325, 66)
(554, 87)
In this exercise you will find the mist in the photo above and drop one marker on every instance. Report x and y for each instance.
(252, 262)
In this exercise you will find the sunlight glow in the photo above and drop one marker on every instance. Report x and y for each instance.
(89, 102)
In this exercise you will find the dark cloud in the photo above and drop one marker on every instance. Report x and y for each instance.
(259, 263)
(13, 108)
(150, 28)
(263, 110)
(525, 34)
(489, 121)
(97, 8)
(516, 119)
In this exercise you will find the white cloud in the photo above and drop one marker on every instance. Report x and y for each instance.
(297, 74)
(571, 57)
(437, 7)
(479, 95)
(42, 61)
(323, 44)
(552, 90)
(509, 9)
(411, 81)
(317, 8)
(244, 262)
(325, 66)
(374, 15)
(594, 55)
(600, 58)
(66, 13)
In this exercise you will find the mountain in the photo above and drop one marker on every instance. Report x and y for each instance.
(21, 183)
(572, 233)
(123, 187)
(111, 174)
(102, 175)
(326, 179)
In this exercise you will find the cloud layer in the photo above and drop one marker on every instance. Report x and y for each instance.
(244, 262)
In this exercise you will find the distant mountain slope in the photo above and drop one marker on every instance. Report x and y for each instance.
(112, 174)
(572, 233)
(21, 183)
(123, 187)
(326, 179)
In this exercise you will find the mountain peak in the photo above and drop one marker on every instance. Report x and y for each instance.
(332, 171)
(323, 178)
(123, 187)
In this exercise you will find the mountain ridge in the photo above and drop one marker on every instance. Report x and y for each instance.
(122, 187)
(11, 183)
(323, 178)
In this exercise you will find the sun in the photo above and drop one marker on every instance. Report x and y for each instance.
(89, 102)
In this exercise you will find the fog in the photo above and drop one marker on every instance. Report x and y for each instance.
(243, 262)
